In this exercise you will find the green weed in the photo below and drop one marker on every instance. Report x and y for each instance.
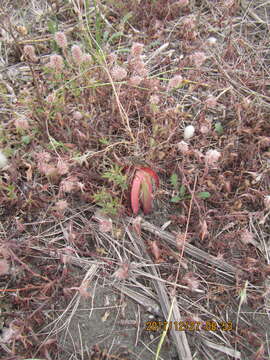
(181, 191)
(109, 204)
(115, 176)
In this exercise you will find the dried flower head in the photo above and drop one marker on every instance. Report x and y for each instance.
(47, 169)
(198, 58)
(205, 128)
(56, 62)
(111, 59)
(62, 167)
(83, 289)
(61, 205)
(175, 82)
(181, 240)
(22, 30)
(4, 267)
(183, 147)
(136, 49)
(81, 134)
(65, 254)
(50, 98)
(4, 251)
(267, 202)
(247, 237)
(137, 225)
(12, 333)
(61, 39)
(135, 80)
(70, 184)
(203, 229)
(29, 52)
(43, 156)
(3, 160)
(153, 84)
(189, 132)
(189, 22)
(156, 251)
(123, 272)
(87, 58)
(105, 224)
(192, 282)
(228, 3)
(118, 73)
(154, 99)
(246, 103)
(211, 102)
(77, 115)
(212, 157)
(182, 3)
(77, 54)
(21, 123)
(139, 68)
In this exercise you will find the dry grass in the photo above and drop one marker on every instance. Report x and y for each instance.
(74, 129)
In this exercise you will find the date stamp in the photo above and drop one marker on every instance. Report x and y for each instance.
(189, 325)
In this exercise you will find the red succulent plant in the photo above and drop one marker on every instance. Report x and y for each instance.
(142, 189)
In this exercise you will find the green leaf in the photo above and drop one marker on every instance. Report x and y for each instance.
(104, 141)
(204, 195)
(105, 36)
(26, 139)
(182, 190)
(116, 176)
(52, 25)
(175, 199)
(115, 36)
(126, 17)
(174, 180)
(219, 128)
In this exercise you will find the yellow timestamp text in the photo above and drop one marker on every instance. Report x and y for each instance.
(189, 325)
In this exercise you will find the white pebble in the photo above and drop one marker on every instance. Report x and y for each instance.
(3, 160)
(189, 132)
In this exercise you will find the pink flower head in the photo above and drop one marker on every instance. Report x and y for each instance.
(136, 49)
(212, 157)
(118, 73)
(77, 115)
(198, 58)
(211, 102)
(183, 3)
(56, 62)
(175, 82)
(154, 99)
(135, 80)
(21, 123)
(246, 237)
(77, 54)
(189, 22)
(4, 267)
(182, 146)
(267, 202)
(62, 167)
(61, 39)
(139, 68)
(192, 282)
(87, 58)
(61, 205)
(29, 52)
